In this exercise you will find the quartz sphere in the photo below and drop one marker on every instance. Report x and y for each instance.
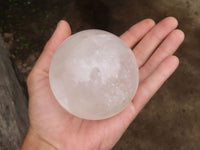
(94, 74)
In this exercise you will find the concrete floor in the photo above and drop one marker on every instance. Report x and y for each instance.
(171, 121)
(172, 118)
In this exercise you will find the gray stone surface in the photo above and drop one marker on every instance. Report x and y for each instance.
(13, 104)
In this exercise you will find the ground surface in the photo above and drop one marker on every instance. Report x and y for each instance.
(172, 119)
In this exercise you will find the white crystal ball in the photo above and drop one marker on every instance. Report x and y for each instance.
(94, 75)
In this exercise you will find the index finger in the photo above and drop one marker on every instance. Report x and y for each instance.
(137, 32)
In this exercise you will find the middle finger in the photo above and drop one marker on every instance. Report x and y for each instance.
(151, 41)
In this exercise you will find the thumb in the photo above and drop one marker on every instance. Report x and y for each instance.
(61, 33)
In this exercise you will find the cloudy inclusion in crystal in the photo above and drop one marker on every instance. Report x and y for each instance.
(93, 75)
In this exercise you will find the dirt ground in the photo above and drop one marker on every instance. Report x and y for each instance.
(172, 119)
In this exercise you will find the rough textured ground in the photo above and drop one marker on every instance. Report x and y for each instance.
(13, 104)
(172, 119)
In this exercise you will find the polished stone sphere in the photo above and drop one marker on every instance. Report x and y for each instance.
(94, 75)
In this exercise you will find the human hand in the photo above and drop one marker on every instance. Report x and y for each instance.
(51, 127)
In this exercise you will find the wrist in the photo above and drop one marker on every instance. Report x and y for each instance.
(33, 141)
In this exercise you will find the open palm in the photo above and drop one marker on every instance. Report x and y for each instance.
(154, 46)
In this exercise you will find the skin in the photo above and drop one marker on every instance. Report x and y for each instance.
(51, 127)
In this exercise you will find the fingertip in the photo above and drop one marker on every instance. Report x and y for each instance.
(137, 31)
(61, 32)
(173, 62)
(65, 25)
(172, 21)
(150, 22)
(179, 33)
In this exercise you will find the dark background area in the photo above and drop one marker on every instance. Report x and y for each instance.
(172, 119)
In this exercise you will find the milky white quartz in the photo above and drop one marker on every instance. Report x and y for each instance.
(94, 75)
